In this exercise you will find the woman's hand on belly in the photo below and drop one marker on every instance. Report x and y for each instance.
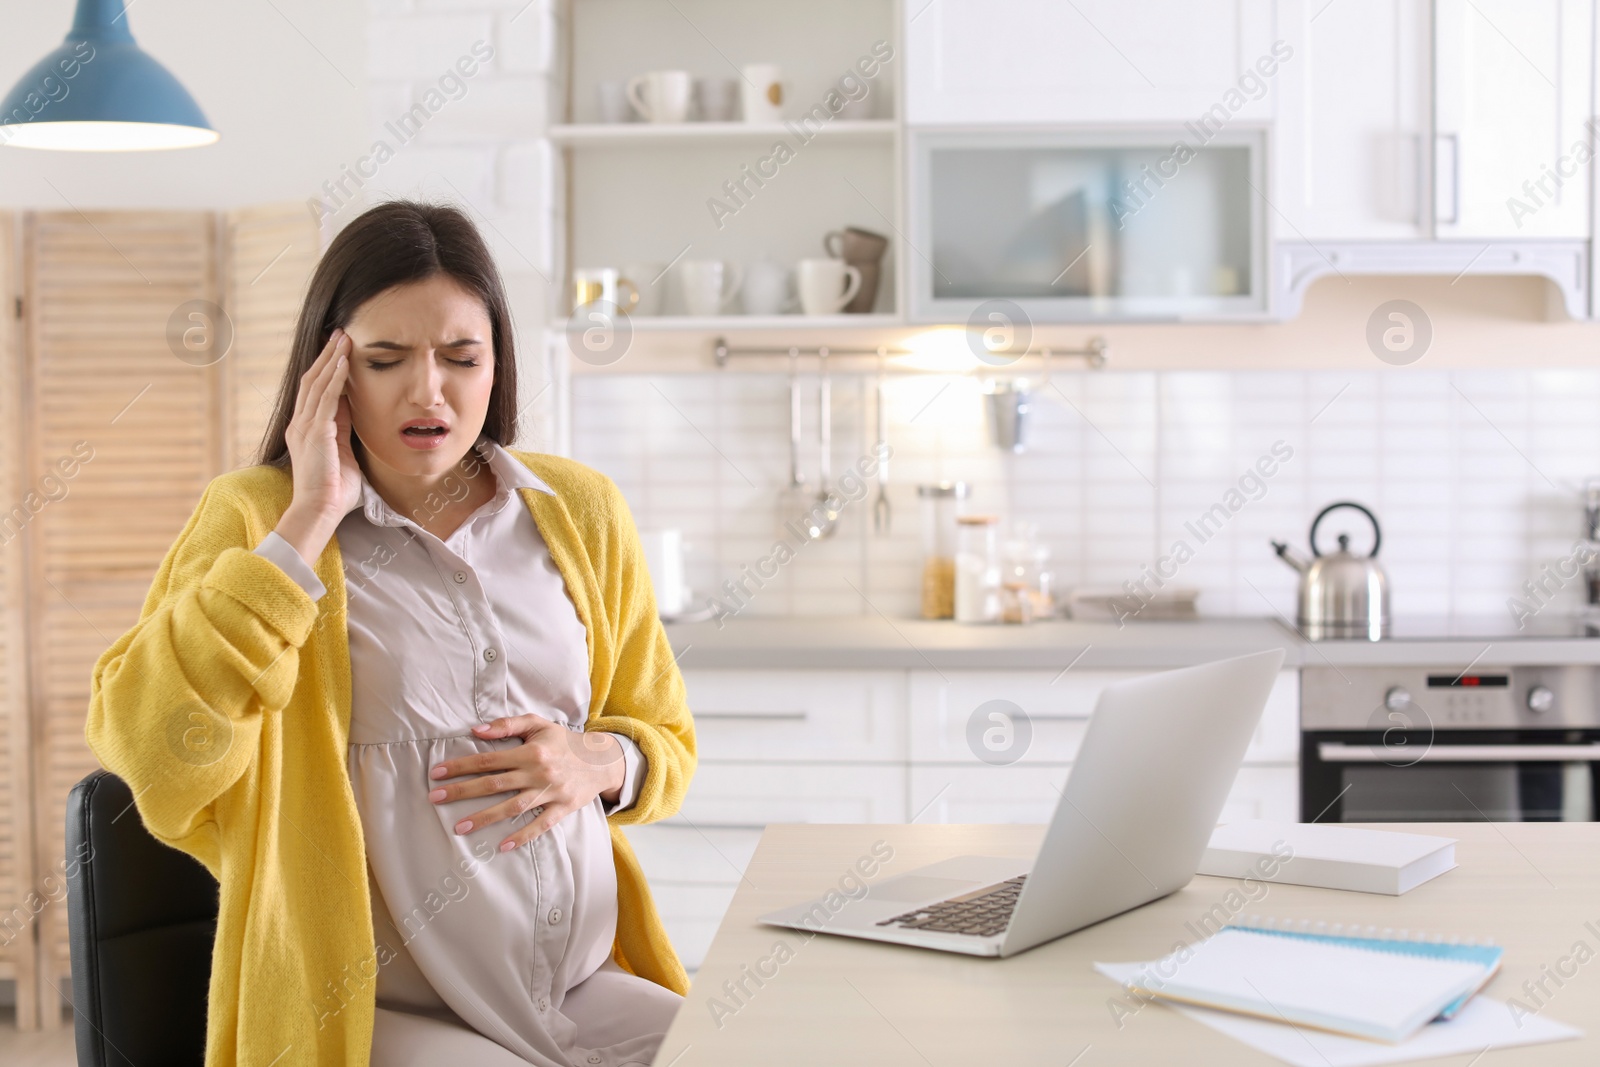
(561, 769)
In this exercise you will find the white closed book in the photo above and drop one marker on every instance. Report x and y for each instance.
(1328, 856)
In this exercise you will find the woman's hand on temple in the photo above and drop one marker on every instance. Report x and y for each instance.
(561, 769)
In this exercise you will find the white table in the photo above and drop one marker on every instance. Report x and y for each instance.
(825, 1001)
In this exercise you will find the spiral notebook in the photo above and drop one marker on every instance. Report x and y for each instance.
(1379, 988)
(1387, 939)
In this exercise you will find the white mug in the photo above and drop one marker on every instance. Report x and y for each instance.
(647, 280)
(663, 558)
(706, 284)
(603, 283)
(827, 285)
(661, 95)
(761, 92)
(766, 288)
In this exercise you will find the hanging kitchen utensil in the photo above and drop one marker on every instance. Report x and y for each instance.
(795, 499)
(1341, 595)
(823, 518)
(1006, 401)
(880, 506)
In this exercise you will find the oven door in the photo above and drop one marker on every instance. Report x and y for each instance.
(1450, 776)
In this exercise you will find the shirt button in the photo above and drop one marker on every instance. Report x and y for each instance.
(593, 1058)
(461, 576)
(555, 916)
(544, 1005)
(490, 654)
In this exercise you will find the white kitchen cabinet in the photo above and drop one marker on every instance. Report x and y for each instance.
(963, 793)
(1091, 61)
(974, 793)
(750, 795)
(686, 855)
(1511, 92)
(1264, 793)
(848, 716)
(1407, 120)
(1052, 710)
(693, 873)
(1351, 148)
(1057, 706)
(1277, 736)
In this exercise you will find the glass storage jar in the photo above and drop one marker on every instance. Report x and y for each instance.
(941, 503)
(977, 568)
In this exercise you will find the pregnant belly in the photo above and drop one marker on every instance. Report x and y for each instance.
(542, 913)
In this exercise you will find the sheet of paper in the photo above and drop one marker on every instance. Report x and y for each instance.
(1484, 1023)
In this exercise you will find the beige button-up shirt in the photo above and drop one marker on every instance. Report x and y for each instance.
(445, 634)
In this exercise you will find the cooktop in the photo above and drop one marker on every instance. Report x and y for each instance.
(1495, 627)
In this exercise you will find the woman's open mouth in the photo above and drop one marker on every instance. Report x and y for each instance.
(424, 434)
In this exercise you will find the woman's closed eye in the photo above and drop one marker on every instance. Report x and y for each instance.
(392, 362)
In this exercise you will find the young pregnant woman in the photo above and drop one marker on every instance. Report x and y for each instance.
(392, 684)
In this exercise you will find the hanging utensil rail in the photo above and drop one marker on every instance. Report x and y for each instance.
(1094, 353)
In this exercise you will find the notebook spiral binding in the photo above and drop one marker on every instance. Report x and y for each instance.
(1369, 931)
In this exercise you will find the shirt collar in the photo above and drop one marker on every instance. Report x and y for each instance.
(510, 474)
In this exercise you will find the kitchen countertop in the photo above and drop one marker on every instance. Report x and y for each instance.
(878, 642)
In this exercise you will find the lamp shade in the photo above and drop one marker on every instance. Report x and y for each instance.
(98, 91)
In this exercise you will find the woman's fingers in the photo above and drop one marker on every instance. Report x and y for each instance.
(332, 388)
(530, 768)
(552, 814)
(332, 366)
(522, 725)
(524, 801)
(317, 366)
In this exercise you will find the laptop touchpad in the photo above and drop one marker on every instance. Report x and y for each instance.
(909, 888)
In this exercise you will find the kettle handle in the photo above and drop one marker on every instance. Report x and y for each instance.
(1377, 535)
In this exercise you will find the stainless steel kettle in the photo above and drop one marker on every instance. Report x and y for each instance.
(1341, 595)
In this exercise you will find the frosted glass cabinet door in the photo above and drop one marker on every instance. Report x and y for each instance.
(1079, 226)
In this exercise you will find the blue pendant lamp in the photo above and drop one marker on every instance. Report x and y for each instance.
(99, 92)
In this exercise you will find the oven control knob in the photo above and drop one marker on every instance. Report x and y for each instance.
(1397, 699)
(1541, 699)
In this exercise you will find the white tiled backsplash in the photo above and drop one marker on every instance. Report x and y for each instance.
(1475, 476)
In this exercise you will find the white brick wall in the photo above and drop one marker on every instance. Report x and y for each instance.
(1458, 466)
(483, 137)
(423, 46)
(480, 146)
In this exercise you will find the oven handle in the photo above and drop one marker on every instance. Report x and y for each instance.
(1339, 752)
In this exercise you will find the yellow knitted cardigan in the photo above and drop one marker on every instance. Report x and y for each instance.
(226, 709)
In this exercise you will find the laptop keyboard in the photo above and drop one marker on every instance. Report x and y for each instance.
(982, 913)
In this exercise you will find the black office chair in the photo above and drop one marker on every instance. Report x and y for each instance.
(142, 917)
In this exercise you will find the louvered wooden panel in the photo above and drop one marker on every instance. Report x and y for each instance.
(100, 290)
(18, 929)
(269, 253)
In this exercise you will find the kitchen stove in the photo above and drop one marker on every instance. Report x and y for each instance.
(1494, 739)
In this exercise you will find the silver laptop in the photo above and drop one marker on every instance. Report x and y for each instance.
(1144, 794)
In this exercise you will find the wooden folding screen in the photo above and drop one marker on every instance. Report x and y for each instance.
(125, 405)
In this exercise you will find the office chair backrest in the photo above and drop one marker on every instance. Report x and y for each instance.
(142, 918)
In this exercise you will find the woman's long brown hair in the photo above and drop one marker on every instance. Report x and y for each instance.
(392, 244)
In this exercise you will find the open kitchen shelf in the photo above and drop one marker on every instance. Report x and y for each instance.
(637, 193)
(679, 133)
(682, 323)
